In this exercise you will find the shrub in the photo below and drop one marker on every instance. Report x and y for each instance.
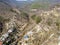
(33, 16)
(58, 22)
(1, 19)
(36, 18)
(49, 23)
(25, 15)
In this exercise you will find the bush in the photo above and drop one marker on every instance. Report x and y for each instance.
(49, 23)
(36, 18)
(25, 15)
(58, 22)
(33, 16)
(1, 19)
